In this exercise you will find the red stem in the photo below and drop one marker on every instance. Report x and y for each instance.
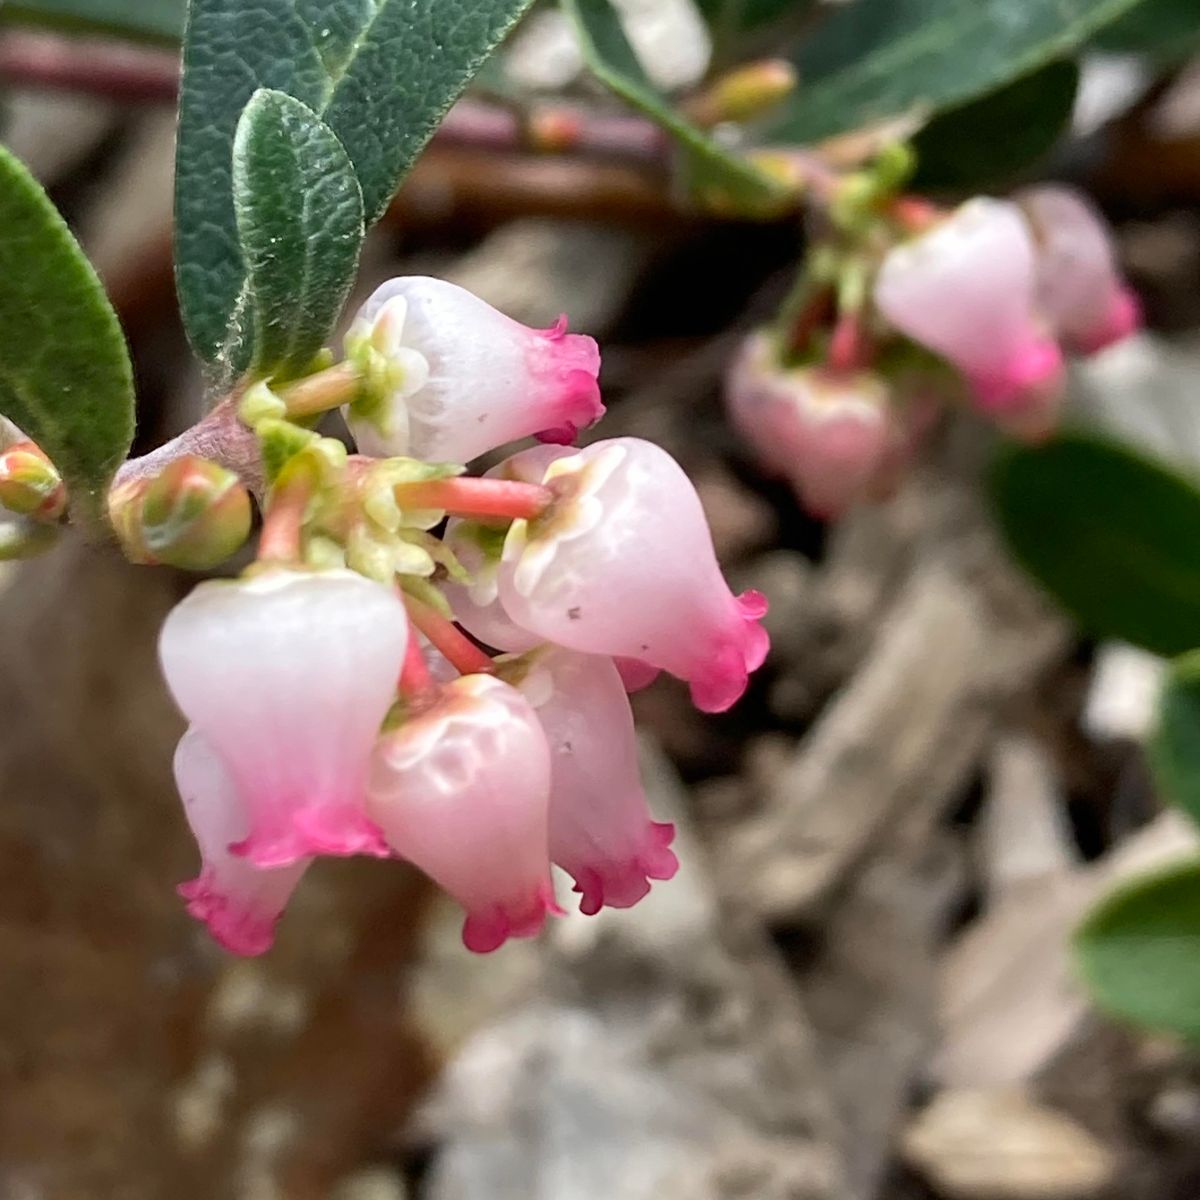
(447, 638)
(470, 497)
(415, 680)
(283, 523)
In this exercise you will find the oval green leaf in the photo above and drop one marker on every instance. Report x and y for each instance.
(300, 224)
(992, 139)
(65, 376)
(1175, 745)
(877, 59)
(1114, 537)
(380, 73)
(1139, 952)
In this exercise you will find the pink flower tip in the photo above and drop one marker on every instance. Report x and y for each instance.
(1124, 319)
(571, 370)
(1037, 370)
(724, 679)
(622, 884)
(488, 929)
(239, 929)
(337, 830)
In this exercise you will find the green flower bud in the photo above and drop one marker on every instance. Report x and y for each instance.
(30, 484)
(193, 515)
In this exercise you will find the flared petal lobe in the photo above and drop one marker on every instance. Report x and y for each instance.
(601, 830)
(462, 790)
(461, 378)
(240, 904)
(288, 675)
(622, 564)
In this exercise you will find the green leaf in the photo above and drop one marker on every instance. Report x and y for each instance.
(998, 136)
(155, 20)
(1175, 746)
(1111, 535)
(611, 58)
(65, 377)
(300, 221)
(731, 17)
(876, 59)
(1166, 31)
(1139, 952)
(380, 74)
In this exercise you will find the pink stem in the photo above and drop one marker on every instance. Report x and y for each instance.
(447, 638)
(470, 497)
(415, 680)
(283, 523)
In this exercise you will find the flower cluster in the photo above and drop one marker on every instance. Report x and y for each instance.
(336, 706)
(980, 304)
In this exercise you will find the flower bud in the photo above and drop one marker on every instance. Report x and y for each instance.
(239, 903)
(450, 378)
(622, 564)
(966, 290)
(288, 675)
(30, 484)
(461, 789)
(827, 432)
(194, 515)
(1080, 289)
(601, 831)
(747, 92)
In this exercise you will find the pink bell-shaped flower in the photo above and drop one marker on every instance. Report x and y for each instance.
(455, 378)
(239, 903)
(966, 290)
(828, 432)
(1080, 289)
(601, 831)
(288, 675)
(462, 789)
(622, 564)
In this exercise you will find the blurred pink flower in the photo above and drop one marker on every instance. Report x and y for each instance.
(966, 289)
(1080, 289)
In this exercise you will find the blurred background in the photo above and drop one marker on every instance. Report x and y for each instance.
(858, 987)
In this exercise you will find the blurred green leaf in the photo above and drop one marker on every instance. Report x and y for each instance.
(1112, 536)
(1139, 952)
(1175, 746)
(1166, 31)
(65, 377)
(998, 136)
(300, 222)
(730, 17)
(875, 59)
(157, 20)
(381, 78)
(713, 171)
